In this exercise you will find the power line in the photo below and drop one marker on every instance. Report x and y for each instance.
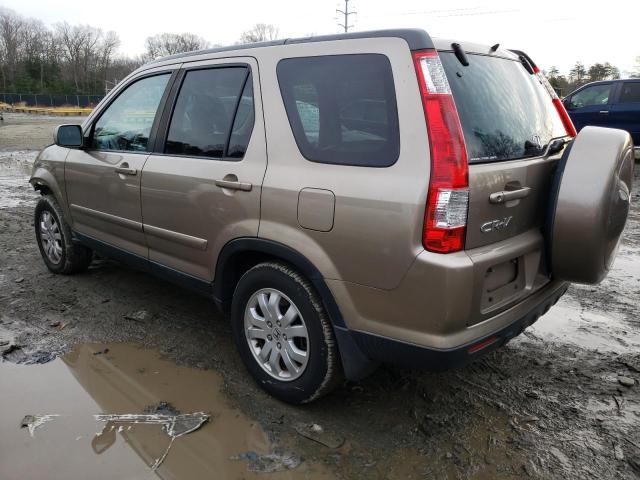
(346, 14)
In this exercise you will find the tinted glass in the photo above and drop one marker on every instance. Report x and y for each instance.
(243, 123)
(204, 111)
(505, 112)
(126, 123)
(630, 92)
(342, 109)
(595, 95)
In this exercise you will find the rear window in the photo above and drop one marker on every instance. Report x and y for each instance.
(505, 112)
(342, 108)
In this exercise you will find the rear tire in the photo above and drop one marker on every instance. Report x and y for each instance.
(54, 239)
(277, 316)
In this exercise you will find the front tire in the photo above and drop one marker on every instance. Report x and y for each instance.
(53, 235)
(283, 334)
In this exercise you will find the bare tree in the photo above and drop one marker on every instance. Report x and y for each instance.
(108, 48)
(10, 31)
(261, 32)
(71, 39)
(172, 43)
(35, 38)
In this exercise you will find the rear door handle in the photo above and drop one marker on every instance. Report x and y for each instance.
(124, 169)
(508, 195)
(604, 112)
(234, 185)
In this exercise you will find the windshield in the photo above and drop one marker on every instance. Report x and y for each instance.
(505, 112)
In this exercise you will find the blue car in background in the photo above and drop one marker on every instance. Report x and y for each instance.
(609, 103)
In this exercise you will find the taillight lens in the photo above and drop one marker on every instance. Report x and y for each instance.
(448, 198)
(564, 116)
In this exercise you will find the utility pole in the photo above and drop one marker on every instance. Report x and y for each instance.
(346, 14)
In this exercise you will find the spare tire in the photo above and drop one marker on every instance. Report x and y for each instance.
(590, 204)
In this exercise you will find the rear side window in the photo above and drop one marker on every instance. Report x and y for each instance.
(630, 92)
(209, 104)
(504, 111)
(342, 108)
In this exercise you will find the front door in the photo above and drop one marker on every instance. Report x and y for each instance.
(202, 187)
(590, 106)
(103, 179)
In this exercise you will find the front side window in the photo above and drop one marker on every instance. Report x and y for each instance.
(126, 123)
(595, 95)
(342, 108)
(213, 115)
(630, 92)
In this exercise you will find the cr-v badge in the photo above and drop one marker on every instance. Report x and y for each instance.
(493, 225)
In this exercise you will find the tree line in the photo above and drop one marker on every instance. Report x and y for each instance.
(580, 74)
(82, 59)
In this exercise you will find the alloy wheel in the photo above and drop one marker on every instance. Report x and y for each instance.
(277, 334)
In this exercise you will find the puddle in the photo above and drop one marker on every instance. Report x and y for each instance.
(568, 323)
(626, 266)
(15, 169)
(125, 387)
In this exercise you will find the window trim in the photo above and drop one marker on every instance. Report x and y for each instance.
(298, 120)
(167, 113)
(88, 138)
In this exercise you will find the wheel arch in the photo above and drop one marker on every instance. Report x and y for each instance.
(43, 181)
(240, 254)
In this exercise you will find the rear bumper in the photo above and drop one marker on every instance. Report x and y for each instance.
(445, 301)
(388, 350)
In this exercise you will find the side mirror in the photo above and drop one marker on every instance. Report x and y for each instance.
(69, 136)
(567, 104)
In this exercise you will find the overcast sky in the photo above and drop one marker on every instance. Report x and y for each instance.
(553, 32)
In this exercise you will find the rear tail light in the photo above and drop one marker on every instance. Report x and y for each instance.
(445, 219)
(564, 116)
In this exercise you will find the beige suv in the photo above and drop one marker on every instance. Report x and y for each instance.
(347, 200)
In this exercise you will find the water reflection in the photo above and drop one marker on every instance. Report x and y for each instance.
(127, 379)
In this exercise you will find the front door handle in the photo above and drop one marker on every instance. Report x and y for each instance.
(234, 185)
(508, 195)
(604, 112)
(124, 169)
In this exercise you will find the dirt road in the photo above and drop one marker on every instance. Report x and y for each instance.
(561, 401)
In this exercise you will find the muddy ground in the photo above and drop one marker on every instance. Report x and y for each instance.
(561, 401)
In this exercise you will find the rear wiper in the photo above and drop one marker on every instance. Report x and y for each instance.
(530, 147)
(555, 146)
(460, 55)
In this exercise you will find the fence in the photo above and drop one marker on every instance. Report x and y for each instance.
(46, 100)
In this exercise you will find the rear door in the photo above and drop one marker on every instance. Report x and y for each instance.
(508, 121)
(201, 186)
(103, 179)
(591, 105)
(625, 111)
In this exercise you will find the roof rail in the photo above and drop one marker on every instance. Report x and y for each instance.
(416, 38)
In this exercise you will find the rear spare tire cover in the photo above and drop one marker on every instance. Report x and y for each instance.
(592, 195)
